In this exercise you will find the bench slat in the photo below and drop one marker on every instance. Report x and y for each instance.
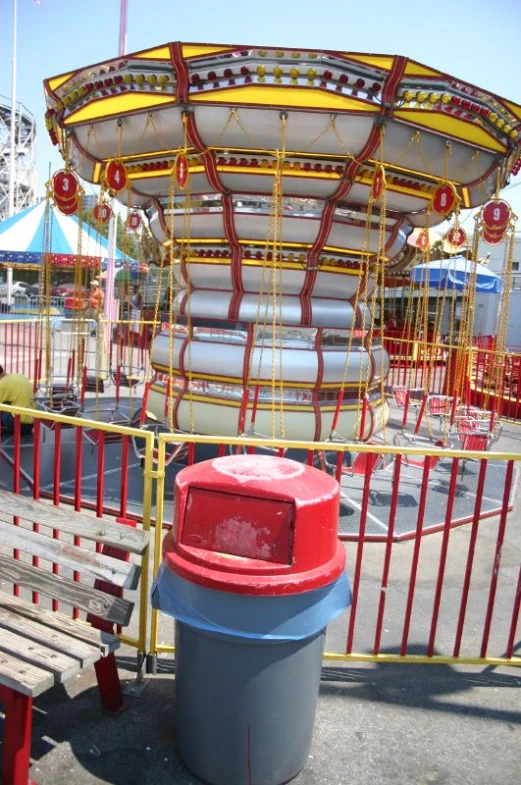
(68, 520)
(23, 677)
(59, 664)
(57, 622)
(83, 653)
(96, 565)
(106, 606)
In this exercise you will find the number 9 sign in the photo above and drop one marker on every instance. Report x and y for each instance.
(495, 215)
(116, 176)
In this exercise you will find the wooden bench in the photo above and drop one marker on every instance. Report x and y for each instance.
(41, 647)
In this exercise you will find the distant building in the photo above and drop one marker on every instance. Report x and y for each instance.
(89, 200)
(487, 305)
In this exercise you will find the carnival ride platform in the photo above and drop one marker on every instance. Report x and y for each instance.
(104, 473)
(408, 521)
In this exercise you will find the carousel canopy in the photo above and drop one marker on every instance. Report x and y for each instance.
(456, 274)
(22, 240)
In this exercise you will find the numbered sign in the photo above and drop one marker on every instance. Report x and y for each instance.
(66, 207)
(422, 241)
(444, 199)
(116, 176)
(378, 183)
(65, 185)
(456, 237)
(102, 212)
(134, 221)
(181, 171)
(495, 215)
(493, 238)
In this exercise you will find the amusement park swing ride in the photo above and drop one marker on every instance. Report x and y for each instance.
(282, 186)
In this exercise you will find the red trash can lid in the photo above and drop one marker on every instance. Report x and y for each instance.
(253, 524)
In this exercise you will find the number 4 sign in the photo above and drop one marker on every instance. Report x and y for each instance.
(115, 176)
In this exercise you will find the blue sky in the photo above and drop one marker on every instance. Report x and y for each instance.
(475, 40)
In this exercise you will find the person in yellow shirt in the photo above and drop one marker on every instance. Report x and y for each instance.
(16, 390)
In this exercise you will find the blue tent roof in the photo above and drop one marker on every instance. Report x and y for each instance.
(22, 239)
(456, 274)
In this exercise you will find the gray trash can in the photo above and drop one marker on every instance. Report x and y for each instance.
(252, 571)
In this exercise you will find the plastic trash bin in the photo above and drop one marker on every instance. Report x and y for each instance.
(252, 571)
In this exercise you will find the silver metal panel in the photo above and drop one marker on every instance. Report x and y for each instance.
(157, 230)
(257, 226)
(163, 347)
(348, 136)
(345, 235)
(258, 181)
(297, 365)
(215, 358)
(292, 280)
(331, 313)
(406, 203)
(199, 184)
(209, 304)
(399, 242)
(365, 313)
(210, 276)
(307, 187)
(358, 365)
(104, 144)
(290, 310)
(254, 226)
(335, 285)
(432, 152)
(381, 361)
(203, 225)
(261, 181)
(151, 186)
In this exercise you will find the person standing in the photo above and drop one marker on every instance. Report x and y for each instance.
(16, 390)
(96, 299)
(135, 301)
(95, 304)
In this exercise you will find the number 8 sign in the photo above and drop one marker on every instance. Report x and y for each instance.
(444, 199)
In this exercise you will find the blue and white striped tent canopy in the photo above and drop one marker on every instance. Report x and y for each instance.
(457, 273)
(22, 240)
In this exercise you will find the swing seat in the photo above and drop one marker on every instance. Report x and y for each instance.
(474, 442)
(110, 416)
(413, 440)
(415, 396)
(364, 463)
(68, 406)
(94, 384)
(128, 380)
(174, 451)
(439, 405)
